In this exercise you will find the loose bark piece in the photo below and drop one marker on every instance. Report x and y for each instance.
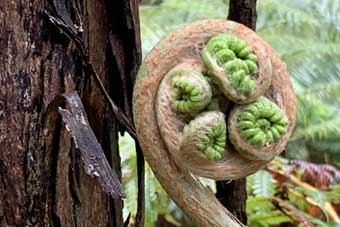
(69, 31)
(95, 162)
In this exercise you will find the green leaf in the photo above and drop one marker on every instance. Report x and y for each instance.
(333, 195)
(262, 183)
(269, 218)
(258, 203)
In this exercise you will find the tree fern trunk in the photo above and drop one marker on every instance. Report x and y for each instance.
(42, 181)
(233, 194)
(244, 12)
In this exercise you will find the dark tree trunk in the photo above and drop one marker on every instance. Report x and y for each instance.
(42, 181)
(244, 12)
(233, 194)
(162, 222)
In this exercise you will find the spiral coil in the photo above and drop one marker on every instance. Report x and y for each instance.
(221, 113)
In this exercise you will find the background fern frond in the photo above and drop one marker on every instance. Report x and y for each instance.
(262, 183)
(269, 218)
(258, 203)
(156, 21)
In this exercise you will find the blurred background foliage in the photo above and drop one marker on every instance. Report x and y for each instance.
(306, 34)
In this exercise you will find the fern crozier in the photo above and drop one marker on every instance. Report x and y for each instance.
(191, 92)
(207, 134)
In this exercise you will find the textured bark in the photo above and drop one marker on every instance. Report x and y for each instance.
(42, 181)
(140, 216)
(243, 11)
(233, 194)
(162, 222)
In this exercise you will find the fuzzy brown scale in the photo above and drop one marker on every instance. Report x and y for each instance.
(160, 129)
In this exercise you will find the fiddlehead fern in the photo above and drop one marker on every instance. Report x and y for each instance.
(234, 66)
(191, 90)
(206, 134)
(262, 122)
(258, 125)
(179, 142)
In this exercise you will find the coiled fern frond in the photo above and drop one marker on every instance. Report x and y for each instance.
(235, 58)
(208, 133)
(192, 91)
(262, 122)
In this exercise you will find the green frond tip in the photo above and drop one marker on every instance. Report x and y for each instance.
(213, 143)
(262, 122)
(191, 91)
(233, 56)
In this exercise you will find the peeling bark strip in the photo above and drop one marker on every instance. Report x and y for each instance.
(70, 31)
(95, 163)
(62, 21)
